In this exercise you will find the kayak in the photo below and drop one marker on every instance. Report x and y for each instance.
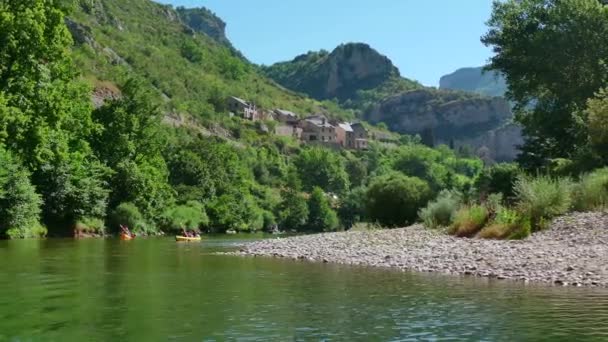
(187, 239)
(125, 237)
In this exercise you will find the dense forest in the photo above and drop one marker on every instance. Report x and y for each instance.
(71, 165)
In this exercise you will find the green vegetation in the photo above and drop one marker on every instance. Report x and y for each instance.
(553, 54)
(440, 212)
(543, 198)
(469, 220)
(321, 217)
(591, 192)
(394, 199)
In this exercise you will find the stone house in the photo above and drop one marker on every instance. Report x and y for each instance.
(287, 123)
(243, 109)
(360, 136)
(316, 129)
(352, 136)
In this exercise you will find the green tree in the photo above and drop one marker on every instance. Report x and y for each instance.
(293, 210)
(321, 217)
(553, 54)
(19, 202)
(323, 168)
(597, 123)
(352, 207)
(130, 142)
(45, 115)
(394, 199)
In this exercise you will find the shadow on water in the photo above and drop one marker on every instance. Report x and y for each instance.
(157, 289)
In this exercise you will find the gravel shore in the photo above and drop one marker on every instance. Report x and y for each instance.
(573, 252)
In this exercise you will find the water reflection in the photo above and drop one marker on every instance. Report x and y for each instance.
(157, 289)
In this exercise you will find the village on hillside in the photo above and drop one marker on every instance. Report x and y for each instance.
(313, 129)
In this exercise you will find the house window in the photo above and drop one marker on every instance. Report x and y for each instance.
(312, 138)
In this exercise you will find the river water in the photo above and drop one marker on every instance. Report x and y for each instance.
(160, 290)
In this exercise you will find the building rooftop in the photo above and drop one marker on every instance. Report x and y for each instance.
(286, 113)
(346, 126)
(241, 101)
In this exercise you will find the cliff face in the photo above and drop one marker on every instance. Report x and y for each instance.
(475, 80)
(483, 123)
(450, 115)
(204, 21)
(341, 74)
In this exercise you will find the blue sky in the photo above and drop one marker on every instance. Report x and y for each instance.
(424, 38)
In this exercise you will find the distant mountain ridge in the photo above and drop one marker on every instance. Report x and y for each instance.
(475, 80)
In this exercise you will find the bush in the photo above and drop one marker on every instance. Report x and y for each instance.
(31, 232)
(542, 198)
(508, 224)
(469, 220)
(20, 205)
(90, 225)
(270, 221)
(591, 192)
(394, 199)
(440, 212)
(365, 227)
(191, 216)
(128, 215)
(352, 207)
(321, 217)
(499, 178)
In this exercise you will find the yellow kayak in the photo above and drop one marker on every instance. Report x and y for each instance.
(187, 239)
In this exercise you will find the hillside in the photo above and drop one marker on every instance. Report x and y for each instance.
(183, 54)
(475, 80)
(352, 73)
(361, 78)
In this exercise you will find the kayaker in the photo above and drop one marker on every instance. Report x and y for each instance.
(126, 230)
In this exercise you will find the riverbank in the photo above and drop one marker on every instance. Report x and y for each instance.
(573, 252)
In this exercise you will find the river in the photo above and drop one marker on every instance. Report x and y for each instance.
(159, 290)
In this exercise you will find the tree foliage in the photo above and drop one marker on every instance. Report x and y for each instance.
(321, 217)
(394, 199)
(553, 54)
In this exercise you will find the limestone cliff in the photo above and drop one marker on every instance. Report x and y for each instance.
(341, 74)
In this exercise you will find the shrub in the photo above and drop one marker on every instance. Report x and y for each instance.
(508, 224)
(270, 221)
(35, 231)
(591, 192)
(90, 225)
(394, 199)
(190, 216)
(542, 198)
(499, 178)
(20, 205)
(440, 212)
(352, 207)
(321, 217)
(469, 220)
(129, 215)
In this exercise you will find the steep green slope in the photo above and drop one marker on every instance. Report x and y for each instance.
(193, 71)
(475, 80)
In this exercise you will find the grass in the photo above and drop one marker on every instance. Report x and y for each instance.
(591, 192)
(440, 212)
(508, 224)
(543, 198)
(469, 220)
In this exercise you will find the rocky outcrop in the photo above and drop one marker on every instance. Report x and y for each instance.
(497, 145)
(206, 22)
(450, 115)
(475, 80)
(341, 74)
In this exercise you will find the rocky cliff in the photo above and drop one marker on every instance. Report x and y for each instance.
(341, 74)
(450, 115)
(475, 80)
(204, 21)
